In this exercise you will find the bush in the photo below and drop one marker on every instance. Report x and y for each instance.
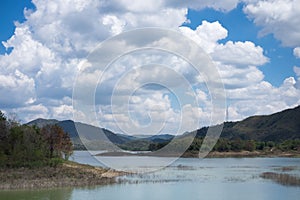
(237, 145)
(3, 159)
(54, 162)
(260, 145)
(250, 145)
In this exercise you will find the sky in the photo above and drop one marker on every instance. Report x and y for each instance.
(254, 45)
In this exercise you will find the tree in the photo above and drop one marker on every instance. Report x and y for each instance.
(260, 145)
(35, 143)
(3, 129)
(3, 139)
(58, 141)
(237, 145)
(271, 144)
(67, 146)
(249, 145)
(30, 146)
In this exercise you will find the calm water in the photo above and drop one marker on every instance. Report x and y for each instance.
(187, 178)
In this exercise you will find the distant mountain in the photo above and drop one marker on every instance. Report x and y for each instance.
(94, 135)
(42, 122)
(160, 138)
(284, 125)
(143, 142)
(90, 132)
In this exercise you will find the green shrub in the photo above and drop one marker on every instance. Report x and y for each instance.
(54, 162)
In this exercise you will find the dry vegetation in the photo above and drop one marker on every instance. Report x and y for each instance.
(283, 179)
(65, 175)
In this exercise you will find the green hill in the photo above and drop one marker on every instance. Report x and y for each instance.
(284, 125)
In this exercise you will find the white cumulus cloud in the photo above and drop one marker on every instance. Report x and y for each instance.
(16, 90)
(279, 17)
(297, 52)
(239, 53)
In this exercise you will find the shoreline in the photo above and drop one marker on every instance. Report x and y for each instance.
(72, 174)
(69, 174)
(214, 154)
(247, 154)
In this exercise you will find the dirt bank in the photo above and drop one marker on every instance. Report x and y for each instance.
(68, 174)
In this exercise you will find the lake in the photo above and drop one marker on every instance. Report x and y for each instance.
(186, 178)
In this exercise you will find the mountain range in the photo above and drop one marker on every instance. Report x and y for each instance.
(98, 138)
(277, 127)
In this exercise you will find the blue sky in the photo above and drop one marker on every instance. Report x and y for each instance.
(254, 44)
(11, 11)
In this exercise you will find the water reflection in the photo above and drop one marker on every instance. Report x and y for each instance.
(57, 194)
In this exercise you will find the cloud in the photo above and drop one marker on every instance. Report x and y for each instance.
(236, 61)
(262, 98)
(297, 72)
(297, 52)
(238, 64)
(148, 113)
(16, 90)
(239, 54)
(237, 77)
(32, 112)
(62, 111)
(36, 78)
(27, 53)
(221, 5)
(50, 44)
(280, 17)
(206, 35)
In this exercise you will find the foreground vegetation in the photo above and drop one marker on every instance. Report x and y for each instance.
(66, 174)
(26, 146)
(33, 158)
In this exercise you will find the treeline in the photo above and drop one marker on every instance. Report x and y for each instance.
(236, 145)
(225, 145)
(27, 146)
